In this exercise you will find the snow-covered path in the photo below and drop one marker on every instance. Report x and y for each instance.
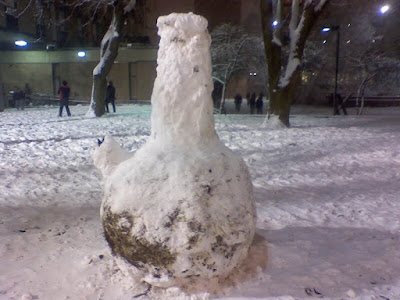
(327, 193)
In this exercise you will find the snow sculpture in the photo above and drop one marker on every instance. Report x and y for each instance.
(182, 205)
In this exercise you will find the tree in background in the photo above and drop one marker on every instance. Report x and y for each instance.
(45, 11)
(365, 57)
(367, 61)
(108, 52)
(234, 52)
(285, 31)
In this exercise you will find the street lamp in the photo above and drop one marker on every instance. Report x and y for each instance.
(335, 98)
(21, 43)
(384, 9)
(81, 54)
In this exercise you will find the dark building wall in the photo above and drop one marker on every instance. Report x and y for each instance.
(37, 75)
(148, 11)
(141, 74)
(250, 16)
(219, 11)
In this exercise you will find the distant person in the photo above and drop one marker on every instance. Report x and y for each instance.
(260, 104)
(3, 98)
(19, 98)
(64, 92)
(252, 103)
(110, 96)
(248, 99)
(238, 101)
(341, 105)
(28, 92)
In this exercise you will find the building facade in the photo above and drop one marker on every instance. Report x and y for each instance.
(56, 30)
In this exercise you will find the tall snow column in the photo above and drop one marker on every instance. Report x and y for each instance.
(182, 206)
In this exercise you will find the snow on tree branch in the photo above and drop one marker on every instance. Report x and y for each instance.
(298, 31)
(276, 36)
(129, 6)
(295, 31)
(294, 20)
(26, 8)
(320, 5)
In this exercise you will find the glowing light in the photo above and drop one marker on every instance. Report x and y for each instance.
(81, 53)
(324, 41)
(384, 9)
(326, 29)
(348, 42)
(275, 23)
(21, 43)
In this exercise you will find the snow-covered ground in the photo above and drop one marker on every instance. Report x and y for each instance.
(327, 193)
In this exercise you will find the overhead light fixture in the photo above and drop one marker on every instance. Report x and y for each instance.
(384, 9)
(21, 43)
(81, 53)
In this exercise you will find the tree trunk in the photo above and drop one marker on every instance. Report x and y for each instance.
(281, 100)
(283, 79)
(99, 94)
(222, 104)
(108, 53)
(361, 93)
(358, 103)
(3, 97)
(362, 99)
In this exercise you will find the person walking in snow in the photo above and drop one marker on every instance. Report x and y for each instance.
(64, 92)
(252, 102)
(259, 104)
(28, 92)
(248, 99)
(19, 98)
(238, 101)
(110, 96)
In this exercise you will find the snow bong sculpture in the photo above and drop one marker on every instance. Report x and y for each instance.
(182, 205)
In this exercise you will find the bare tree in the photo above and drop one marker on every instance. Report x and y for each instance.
(371, 63)
(108, 53)
(366, 63)
(285, 30)
(233, 51)
(366, 55)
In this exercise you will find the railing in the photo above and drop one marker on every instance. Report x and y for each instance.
(373, 101)
(41, 99)
(44, 99)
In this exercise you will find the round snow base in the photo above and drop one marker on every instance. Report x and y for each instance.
(183, 217)
(182, 206)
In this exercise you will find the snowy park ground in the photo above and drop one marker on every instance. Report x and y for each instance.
(327, 193)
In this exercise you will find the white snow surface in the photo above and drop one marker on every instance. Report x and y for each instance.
(327, 194)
